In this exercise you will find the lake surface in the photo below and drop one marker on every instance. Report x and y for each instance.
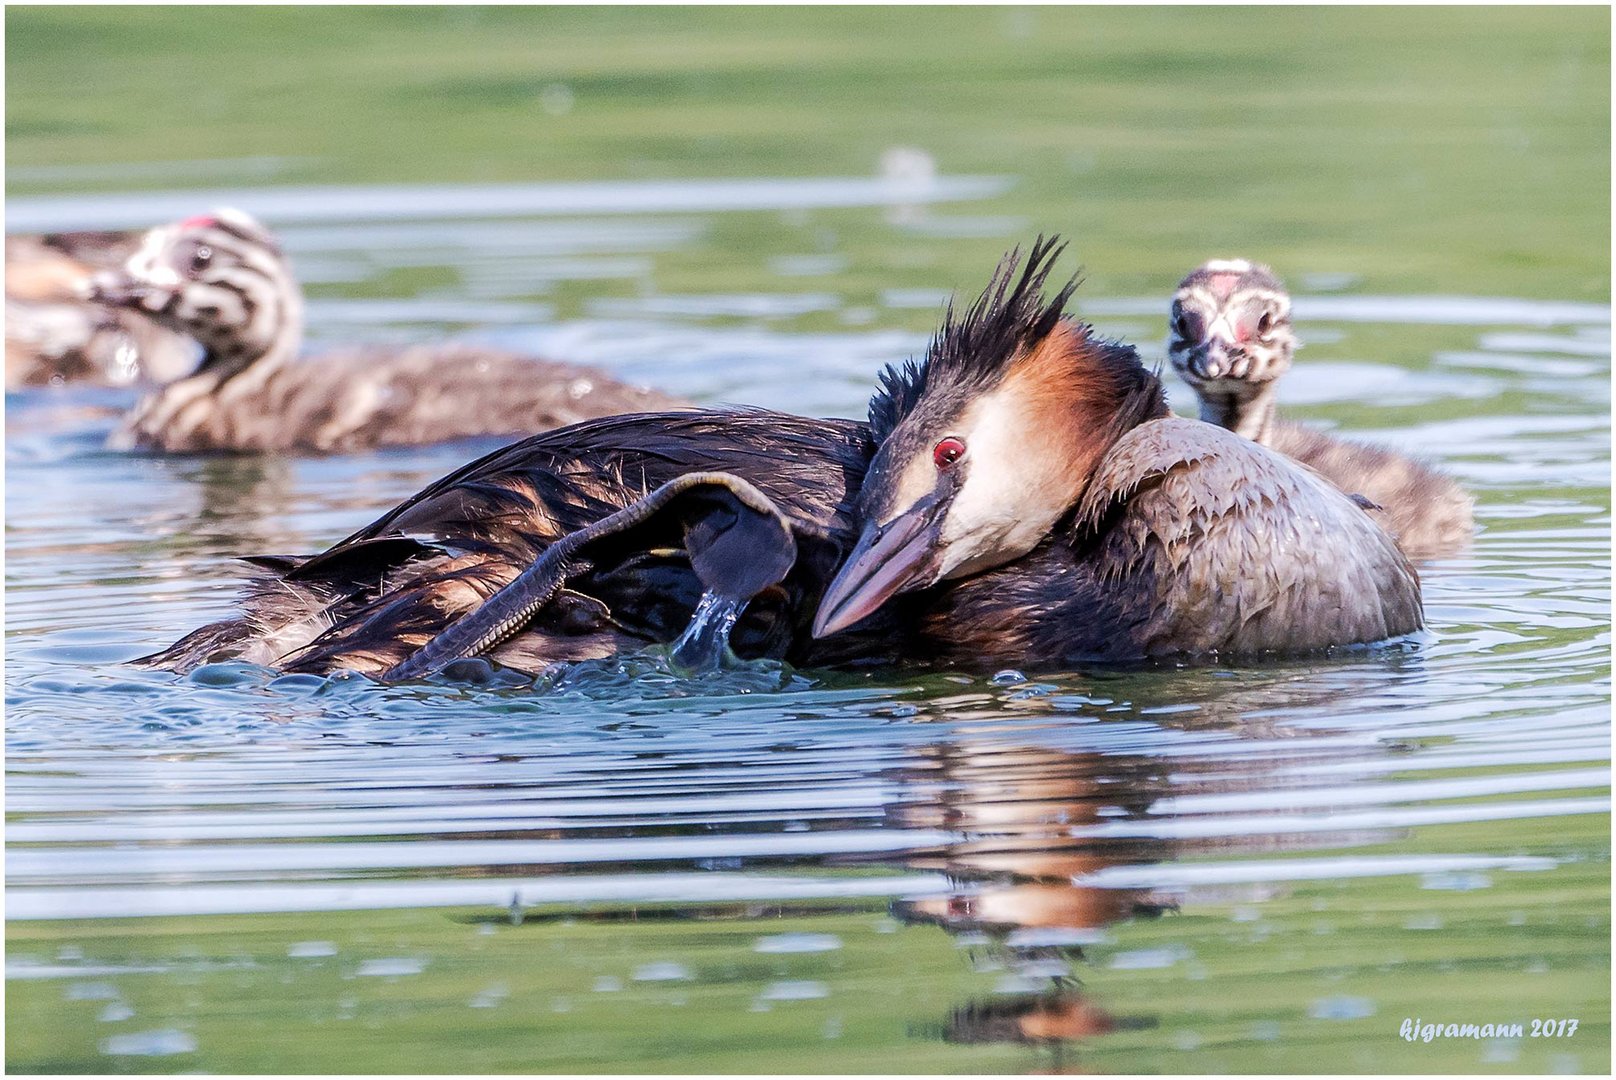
(1265, 868)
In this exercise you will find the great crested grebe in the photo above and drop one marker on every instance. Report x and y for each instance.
(1021, 495)
(1231, 340)
(222, 279)
(55, 334)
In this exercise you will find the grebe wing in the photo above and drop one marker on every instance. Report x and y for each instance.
(790, 457)
(736, 540)
(1243, 550)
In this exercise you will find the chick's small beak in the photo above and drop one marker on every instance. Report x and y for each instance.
(115, 287)
(1214, 361)
(889, 559)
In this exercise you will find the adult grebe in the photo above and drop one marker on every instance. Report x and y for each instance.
(1231, 339)
(223, 279)
(1021, 495)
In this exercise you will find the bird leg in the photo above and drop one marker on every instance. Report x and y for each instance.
(737, 540)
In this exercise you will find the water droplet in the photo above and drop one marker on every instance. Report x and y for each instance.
(798, 943)
(1265, 1031)
(1456, 881)
(664, 972)
(556, 99)
(1054, 937)
(92, 991)
(1045, 968)
(159, 1043)
(1187, 1041)
(705, 643)
(115, 1012)
(392, 967)
(1341, 1008)
(608, 984)
(491, 997)
(799, 990)
(303, 949)
(1142, 959)
(1020, 984)
(1501, 1051)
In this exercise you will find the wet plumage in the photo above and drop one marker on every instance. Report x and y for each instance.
(224, 280)
(1156, 536)
(1231, 339)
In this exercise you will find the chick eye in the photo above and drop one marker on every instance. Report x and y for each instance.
(201, 257)
(948, 451)
(1265, 324)
(1186, 326)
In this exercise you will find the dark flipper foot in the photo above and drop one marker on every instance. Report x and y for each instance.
(737, 541)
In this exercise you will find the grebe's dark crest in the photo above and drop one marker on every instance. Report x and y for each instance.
(989, 441)
(1030, 504)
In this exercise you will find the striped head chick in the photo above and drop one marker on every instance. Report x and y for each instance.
(220, 278)
(983, 446)
(1230, 338)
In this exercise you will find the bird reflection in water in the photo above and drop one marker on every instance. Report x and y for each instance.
(1015, 809)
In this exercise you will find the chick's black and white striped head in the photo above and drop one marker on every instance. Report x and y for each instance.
(220, 278)
(1230, 328)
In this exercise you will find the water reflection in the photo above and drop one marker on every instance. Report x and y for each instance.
(1050, 827)
(1018, 812)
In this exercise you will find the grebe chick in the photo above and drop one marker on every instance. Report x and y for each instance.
(1020, 496)
(224, 280)
(55, 335)
(1231, 339)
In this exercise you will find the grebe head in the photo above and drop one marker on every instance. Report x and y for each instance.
(220, 278)
(988, 441)
(1230, 327)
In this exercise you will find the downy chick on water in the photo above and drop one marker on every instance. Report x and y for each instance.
(1021, 495)
(223, 279)
(1231, 339)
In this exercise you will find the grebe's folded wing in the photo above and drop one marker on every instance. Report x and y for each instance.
(729, 535)
(1242, 549)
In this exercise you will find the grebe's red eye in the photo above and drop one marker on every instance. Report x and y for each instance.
(948, 451)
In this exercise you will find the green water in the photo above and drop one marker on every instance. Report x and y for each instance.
(1446, 802)
(1245, 987)
(1461, 150)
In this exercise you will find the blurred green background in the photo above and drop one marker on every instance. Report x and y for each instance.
(1404, 151)
(1446, 150)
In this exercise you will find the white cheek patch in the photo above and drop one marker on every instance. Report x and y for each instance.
(1014, 492)
(148, 265)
